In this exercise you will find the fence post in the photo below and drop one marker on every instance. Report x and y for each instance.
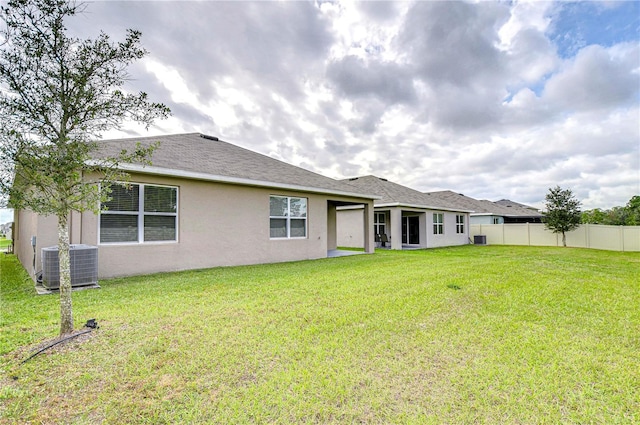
(587, 235)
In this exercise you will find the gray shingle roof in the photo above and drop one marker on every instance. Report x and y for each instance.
(484, 206)
(193, 155)
(393, 193)
(510, 203)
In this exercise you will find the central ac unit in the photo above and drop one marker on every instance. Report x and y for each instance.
(480, 239)
(83, 261)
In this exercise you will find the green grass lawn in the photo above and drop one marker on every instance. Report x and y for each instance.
(495, 334)
(4, 243)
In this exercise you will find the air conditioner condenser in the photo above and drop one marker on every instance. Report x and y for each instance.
(83, 264)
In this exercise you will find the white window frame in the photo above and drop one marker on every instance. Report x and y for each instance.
(438, 223)
(377, 223)
(460, 224)
(141, 214)
(288, 218)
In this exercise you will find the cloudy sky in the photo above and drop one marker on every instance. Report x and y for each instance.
(490, 99)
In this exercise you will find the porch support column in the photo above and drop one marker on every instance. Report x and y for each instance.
(332, 232)
(424, 230)
(369, 240)
(395, 227)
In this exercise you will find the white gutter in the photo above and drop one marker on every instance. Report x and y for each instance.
(160, 171)
(423, 207)
(505, 215)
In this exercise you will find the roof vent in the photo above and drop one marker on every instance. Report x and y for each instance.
(206, 136)
(384, 180)
(353, 178)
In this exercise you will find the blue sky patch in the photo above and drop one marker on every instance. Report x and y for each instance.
(581, 24)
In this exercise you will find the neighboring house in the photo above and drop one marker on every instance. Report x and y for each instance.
(6, 230)
(535, 216)
(488, 212)
(405, 217)
(204, 203)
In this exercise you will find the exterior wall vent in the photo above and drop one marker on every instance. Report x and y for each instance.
(83, 263)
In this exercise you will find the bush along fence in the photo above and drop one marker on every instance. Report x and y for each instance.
(595, 236)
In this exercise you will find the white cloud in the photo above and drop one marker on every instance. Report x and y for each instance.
(598, 78)
(525, 15)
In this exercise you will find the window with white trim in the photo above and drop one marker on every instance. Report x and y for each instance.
(379, 223)
(287, 217)
(459, 223)
(438, 223)
(139, 213)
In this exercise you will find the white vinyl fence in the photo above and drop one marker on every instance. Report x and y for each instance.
(596, 236)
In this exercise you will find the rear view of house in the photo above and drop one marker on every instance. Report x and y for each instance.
(203, 203)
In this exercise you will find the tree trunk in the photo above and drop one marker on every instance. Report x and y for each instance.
(66, 310)
(564, 239)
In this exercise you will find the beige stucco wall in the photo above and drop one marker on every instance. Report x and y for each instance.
(450, 237)
(218, 225)
(614, 238)
(27, 225)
